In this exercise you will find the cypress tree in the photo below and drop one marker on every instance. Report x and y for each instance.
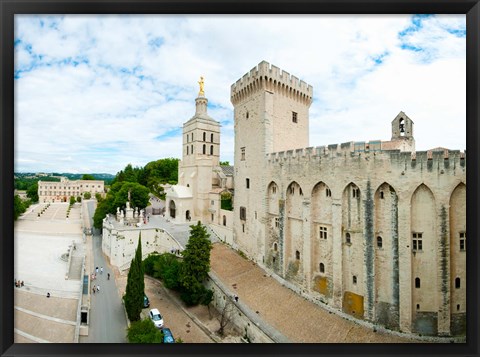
(135, 289)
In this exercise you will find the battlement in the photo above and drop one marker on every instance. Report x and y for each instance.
(367, 150)
(271, 78)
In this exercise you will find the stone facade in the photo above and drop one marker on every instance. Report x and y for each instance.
(201, 179)
(49, 191)
(375, 228)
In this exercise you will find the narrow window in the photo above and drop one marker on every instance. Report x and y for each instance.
(347, 238)
(274, 258)
(323, 232)
(294, 117)
(246, 115)
(417, 244)
(242, 157)
(204, 149)
(211, 149)
(322, 268)
(274, 189)
(457, 283)
(191, 149)
(417, 283)
(381, 195)
(379, 242)
(463, 241)
(212, 202)
(211, 138)
(301, 192)
(243, 228)
(277, 222)
(212, 217)
(255, 214)
(243, 213)
(204, 136)
(192, 136)
(275, 246)
(188, 138)
(224, 220)
(247, 183)
(328, 192)
(297, 255)
(458, 307)
(418, 306)
(187, 149)
(355, 279)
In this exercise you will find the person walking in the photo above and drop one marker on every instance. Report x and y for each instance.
(96, 270)
(108, 276)
(94, 288)
(98, 288)
(101, 270)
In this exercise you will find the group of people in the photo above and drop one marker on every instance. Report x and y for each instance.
(18, 283)
(96, 287)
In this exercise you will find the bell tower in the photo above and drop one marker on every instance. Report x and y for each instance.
(402, 133)
(201, 153)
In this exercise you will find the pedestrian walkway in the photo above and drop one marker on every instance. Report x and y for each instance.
(293, 316)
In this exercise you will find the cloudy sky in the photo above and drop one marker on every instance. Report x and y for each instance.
(95, 93)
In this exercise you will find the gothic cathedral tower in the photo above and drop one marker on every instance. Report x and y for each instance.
(271, 115)
(201, 153)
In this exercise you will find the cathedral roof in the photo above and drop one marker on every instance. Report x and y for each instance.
(228, 170)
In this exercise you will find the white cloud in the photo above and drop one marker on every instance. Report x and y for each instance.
(101, 90)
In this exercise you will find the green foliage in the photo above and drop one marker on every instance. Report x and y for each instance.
(196, 265)
(72, 200)
(87, 195)
(79, 199)
(224, 163)
(167, 268)
(148, 263)
(139, 196)
(226, 201)
(135, 290)
(98, 197)
(19, 206)
(117, 196)
(32, 192)
(144, 331)
(87, 177)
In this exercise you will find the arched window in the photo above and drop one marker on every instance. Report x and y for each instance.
(457, 283)
(297, 255)
(211, 149)
(224, 220)
(354, 279)
(379, 242)
(322, 268)
(401, 127)
(188, 138)
(191, 149)
(172, 209)
(204, 149)
(347, 238)
(192, 136)
(204, 136)
(417, 283)
(187, 149)
(211, 138)
(275, 246)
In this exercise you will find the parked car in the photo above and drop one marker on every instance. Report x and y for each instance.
(156, 318)
(167, 335)
(146, 302)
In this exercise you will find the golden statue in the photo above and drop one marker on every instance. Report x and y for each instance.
(201, 83)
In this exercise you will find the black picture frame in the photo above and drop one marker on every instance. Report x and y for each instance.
(8, 10)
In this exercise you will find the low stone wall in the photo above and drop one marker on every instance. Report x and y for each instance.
(246, 321)
(225, 234)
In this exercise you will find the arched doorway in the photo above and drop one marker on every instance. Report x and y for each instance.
(187, 215)
(171, 206)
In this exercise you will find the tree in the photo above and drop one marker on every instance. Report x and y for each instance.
(195, 266)
(224, 163)
(138, 193)
(79, 199)
(32, 192)
(87, 195)
(72, 200)
(225, 316)
(135, 289)
(144, 331)
(18, 207)
(87, 177)
(98, 197)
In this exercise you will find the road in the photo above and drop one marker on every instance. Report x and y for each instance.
(107, 317)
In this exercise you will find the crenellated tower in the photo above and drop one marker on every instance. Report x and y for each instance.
(271, 114)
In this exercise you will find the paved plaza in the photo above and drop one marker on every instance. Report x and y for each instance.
(40, 261)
